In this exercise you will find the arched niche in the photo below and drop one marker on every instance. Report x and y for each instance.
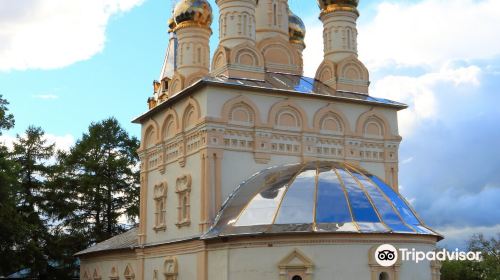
(195, 77)
(373, 124)
(326, 72)
(246, 54)
(352, 69)
(129, 274)
(170, 126)
(330, 120)
(86, 275)
(220, 58)
(279, 55)
(176, 84)
(113, 275)
(97, 274)
(241, 111)
(287, 115)
(191, 114)
(150, 135)
(170, 268)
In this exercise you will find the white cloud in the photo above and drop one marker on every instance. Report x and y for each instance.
(62, 142)
(48, 34)
(420, 92)
(430, 32)
(46, 96)
(457, 236)
(426, 33)
(313, 54)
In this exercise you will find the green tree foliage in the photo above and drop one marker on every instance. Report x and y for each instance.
(6, 119)
(11, 225)
(487, 269)
(54, 204)
(31, 153)
(100, 179)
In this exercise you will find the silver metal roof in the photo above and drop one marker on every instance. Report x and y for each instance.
(321, 197)
(280, 83)
(126, 240)
(299, 84)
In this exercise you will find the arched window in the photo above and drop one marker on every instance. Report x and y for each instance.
(349, 38)
(160, 197)
(183, 190)
(296, 277)
(384, 276)
(275, 14)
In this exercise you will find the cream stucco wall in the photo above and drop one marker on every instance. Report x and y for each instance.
(335, 258)
(104, 264)
(332, 262)
(264, 144)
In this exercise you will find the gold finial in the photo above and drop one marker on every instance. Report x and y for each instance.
(329, 6)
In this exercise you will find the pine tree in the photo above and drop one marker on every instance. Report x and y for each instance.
(100, 183)
(12, 228)
(31, 154)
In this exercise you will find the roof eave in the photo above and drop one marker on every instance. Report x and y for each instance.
(202, 83)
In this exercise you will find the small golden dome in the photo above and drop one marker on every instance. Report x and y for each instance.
(193, 11)
(328, 6)
(296, 28)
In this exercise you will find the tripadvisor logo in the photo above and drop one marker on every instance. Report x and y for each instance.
(387, 255)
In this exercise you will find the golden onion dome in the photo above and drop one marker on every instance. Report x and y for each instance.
(193, 11)
(171, 24)
(338, 5)
(296, 28)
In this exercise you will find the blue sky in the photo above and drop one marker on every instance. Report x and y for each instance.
(64, 64)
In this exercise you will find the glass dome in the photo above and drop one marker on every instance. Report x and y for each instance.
(322, 197)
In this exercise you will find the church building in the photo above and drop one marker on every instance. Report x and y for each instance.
(250, 170)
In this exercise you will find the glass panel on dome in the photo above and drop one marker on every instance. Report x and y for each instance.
(361, 207)
(372, 227)
(384, 206)
(303, 86)
(298, 202)
(331, 205)
(403, 208)
(424, 230)
(278, 176)
(262, 208)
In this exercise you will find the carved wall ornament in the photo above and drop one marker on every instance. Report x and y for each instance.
(170, 268)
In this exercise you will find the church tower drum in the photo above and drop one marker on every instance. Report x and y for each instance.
(192, 28)
(341, 69)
